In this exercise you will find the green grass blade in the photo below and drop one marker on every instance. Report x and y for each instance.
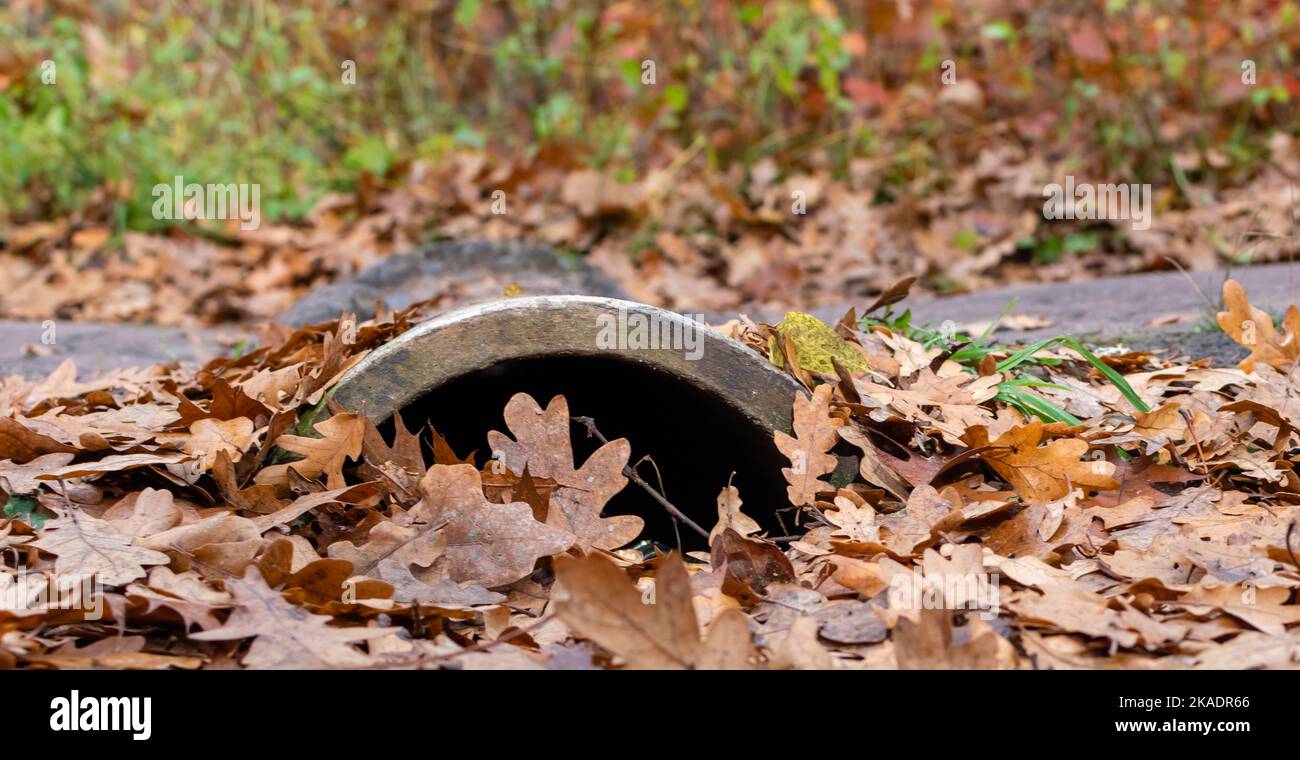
(1031, 404)
(1024, 354)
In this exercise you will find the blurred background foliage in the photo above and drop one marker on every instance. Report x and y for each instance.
(253, 91)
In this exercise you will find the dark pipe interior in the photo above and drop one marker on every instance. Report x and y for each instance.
(696, 440)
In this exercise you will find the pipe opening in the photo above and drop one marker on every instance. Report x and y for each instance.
(696, 439)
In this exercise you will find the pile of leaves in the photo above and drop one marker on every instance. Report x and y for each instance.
(915, 139)
(1125, 511)
(684, 236)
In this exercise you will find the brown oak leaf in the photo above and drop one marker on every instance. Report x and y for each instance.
(390, 552)
(143, 514)
(112, 463)
(929, 643)
(285, 636)
(22, 444)
(600, 602)
(402, 463)
(341, 439)
(730, 516)
(488, 544)
(1253, 328)
(542, 444)
(948, 404)
(856, 522)
(927, 511)
(22, 478)
(256, 498)
(1041, 473)
(185, 594)
(814, 435)
(84, 545)
(209, 437)
(872, 467)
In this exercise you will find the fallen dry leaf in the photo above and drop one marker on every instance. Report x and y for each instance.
(931, 643)
(487, 544)
(542, 444)
(285, 636)
(1253, 328)
(392, 552)
(814, 435)
(730, 516)
(1041, 473)
(341, 440)
(84, 545)
(209, 437)
(602, 604)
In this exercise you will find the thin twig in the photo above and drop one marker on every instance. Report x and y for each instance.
(631, 475)
(659, 476)
(1187, 420)
(1289, 530)
(1213, 307)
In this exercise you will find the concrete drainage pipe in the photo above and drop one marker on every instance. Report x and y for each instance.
(701, 405)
